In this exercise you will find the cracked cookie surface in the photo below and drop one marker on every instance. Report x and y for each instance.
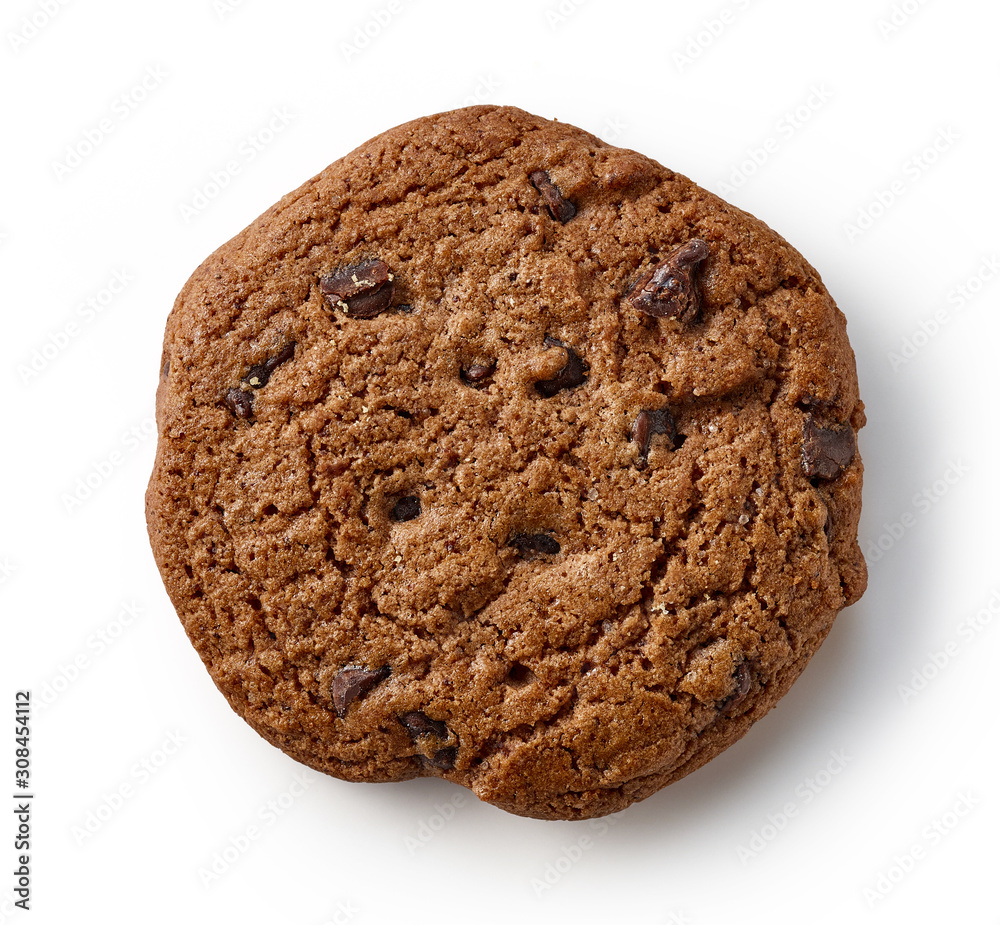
(500, 454)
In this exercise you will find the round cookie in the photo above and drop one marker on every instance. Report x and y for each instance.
(500, 454)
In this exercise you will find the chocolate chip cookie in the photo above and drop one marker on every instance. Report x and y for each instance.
(499, 454)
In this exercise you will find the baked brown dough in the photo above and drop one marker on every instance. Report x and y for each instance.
(500, 454)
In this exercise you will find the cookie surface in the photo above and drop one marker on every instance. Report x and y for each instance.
(499, 454)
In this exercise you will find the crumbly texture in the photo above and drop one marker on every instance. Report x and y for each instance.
(500, 454)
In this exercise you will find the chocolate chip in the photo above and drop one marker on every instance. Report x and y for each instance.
(669, 290)
(650, 422)
(826, 451)
(420, 724)
(240, 403)
(443, 758)
(528, 543)
(430, 736)
(363, 290)
(476, 375)
(405, 509)
(353, 682)
(742, 676)
(829, 528)
(560, 208)
(257, 376)
(569, 377)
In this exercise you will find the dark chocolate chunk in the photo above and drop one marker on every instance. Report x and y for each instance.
(259, 374)
(829, 528)
(560, 208)
(420, 724)
(650, 422)
(669, 290)
(405, 509)
(239, 402)
(477, 374)
(363, 290)
(527, 543)
(430, 736)
(826, 451)
(569, 377)
(443, 758)
(353, 682)
(742, 676)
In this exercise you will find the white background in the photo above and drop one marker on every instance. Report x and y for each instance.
(138, 137)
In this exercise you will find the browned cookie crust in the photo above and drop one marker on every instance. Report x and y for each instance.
(499, 454)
